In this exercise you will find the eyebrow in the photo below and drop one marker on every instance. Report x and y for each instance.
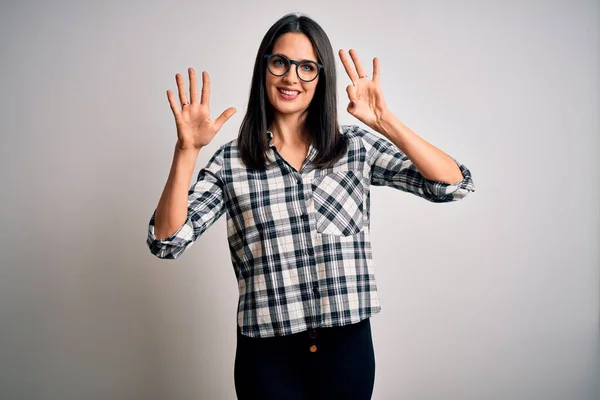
(303, 59)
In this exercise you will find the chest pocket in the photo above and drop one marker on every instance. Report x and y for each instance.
(338, 199)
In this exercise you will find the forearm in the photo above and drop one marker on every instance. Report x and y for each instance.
(171, 211)
(431, 162)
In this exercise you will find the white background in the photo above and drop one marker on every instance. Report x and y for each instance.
(492, 297)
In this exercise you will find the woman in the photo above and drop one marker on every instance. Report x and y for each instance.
(295, 188)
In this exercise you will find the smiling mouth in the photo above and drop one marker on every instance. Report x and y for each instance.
(290, 93)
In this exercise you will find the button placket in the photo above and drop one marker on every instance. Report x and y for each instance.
(299, 181)
(308, 251)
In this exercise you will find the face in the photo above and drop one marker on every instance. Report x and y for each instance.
(298, 94)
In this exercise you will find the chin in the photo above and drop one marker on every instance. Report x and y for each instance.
(279, 108)
(287, 108)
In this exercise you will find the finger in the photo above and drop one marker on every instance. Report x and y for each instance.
(225, 115)
(348, 66)
(205, 88)
(359, 69)
(351, 91)
(376, 70)
(173, 103)
(193, 86)
(181, 89)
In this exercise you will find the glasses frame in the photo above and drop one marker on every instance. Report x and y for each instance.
(295, 62)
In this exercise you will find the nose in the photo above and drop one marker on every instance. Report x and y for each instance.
(291, 76)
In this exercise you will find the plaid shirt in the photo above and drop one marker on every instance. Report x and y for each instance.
(300, 241)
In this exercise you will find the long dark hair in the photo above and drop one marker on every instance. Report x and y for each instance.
(321, 115)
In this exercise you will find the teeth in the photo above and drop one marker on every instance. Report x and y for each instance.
(288, 92)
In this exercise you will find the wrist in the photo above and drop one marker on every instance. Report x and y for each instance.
(185, 156)
(183, 149)
(386, 123)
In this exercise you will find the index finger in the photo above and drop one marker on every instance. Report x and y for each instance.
(205, 88)
(359, 69)
(348, 66)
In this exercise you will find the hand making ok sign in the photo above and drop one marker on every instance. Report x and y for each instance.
(365, 94)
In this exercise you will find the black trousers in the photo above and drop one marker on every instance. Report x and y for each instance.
(323, 363)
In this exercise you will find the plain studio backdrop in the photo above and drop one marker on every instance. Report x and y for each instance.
(493, 297)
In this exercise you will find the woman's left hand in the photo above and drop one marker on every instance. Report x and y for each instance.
(365, 94)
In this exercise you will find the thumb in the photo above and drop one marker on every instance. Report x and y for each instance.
(351, 90)
(225, 115)
(351, 108)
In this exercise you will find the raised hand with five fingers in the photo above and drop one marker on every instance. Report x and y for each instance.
(195, 128)
(365, 94)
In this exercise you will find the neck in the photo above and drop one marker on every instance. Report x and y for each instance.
(289, 131)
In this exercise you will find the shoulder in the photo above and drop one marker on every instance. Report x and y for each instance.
(360, 137)
(226, 151)
(228, 157)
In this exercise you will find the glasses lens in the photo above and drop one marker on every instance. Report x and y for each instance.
(278, 65)
(308, 70)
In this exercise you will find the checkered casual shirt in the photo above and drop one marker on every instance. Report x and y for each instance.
(300, 241)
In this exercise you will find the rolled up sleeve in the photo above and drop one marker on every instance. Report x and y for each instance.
(205, 206)
(391, 167)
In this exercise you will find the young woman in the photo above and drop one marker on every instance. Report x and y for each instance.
(295, 188)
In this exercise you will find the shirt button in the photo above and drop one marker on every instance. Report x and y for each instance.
(313, 348)
(312, 334)
(316, 289)
(300, 181)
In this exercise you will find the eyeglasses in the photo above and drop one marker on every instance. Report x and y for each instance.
(279, 65)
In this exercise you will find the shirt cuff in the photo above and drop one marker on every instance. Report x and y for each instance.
(163, 247)
(458, 190)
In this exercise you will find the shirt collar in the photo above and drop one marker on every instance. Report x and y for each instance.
(270, 138)
(271, 153)
(310, 155)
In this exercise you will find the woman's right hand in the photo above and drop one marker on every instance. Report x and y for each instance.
(195, 128)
